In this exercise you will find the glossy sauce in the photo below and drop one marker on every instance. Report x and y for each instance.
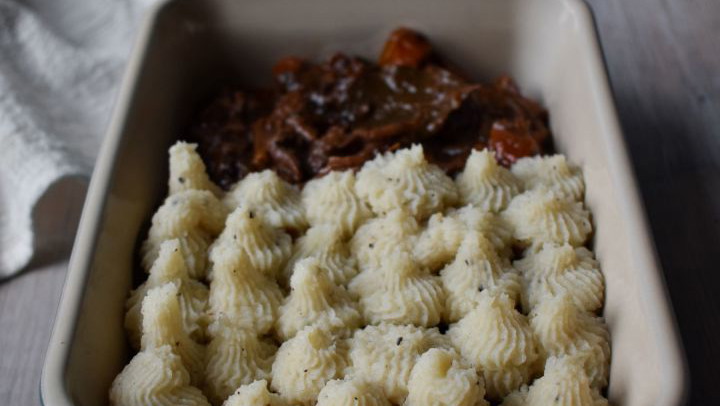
(338, 114)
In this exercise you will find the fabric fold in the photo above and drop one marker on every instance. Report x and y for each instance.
(60, 67)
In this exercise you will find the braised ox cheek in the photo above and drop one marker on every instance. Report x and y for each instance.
(340, 113)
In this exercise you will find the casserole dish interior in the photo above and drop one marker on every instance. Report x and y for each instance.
(190, 48)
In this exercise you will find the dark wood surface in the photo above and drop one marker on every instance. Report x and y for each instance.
(663, 58)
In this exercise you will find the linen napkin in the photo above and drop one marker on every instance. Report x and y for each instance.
(60, 65)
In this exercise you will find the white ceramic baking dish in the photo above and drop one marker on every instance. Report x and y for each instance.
(189, 47)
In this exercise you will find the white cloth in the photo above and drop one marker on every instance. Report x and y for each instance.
(60, 64)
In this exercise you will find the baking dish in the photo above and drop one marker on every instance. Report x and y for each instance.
(189, 48)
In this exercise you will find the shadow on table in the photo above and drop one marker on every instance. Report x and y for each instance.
(55, 220)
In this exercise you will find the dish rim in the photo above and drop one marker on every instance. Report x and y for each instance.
(654, 289)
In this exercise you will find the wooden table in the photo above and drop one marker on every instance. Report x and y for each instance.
(663, 58)
(664, 62)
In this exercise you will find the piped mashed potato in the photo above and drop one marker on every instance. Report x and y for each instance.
(396, 285)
